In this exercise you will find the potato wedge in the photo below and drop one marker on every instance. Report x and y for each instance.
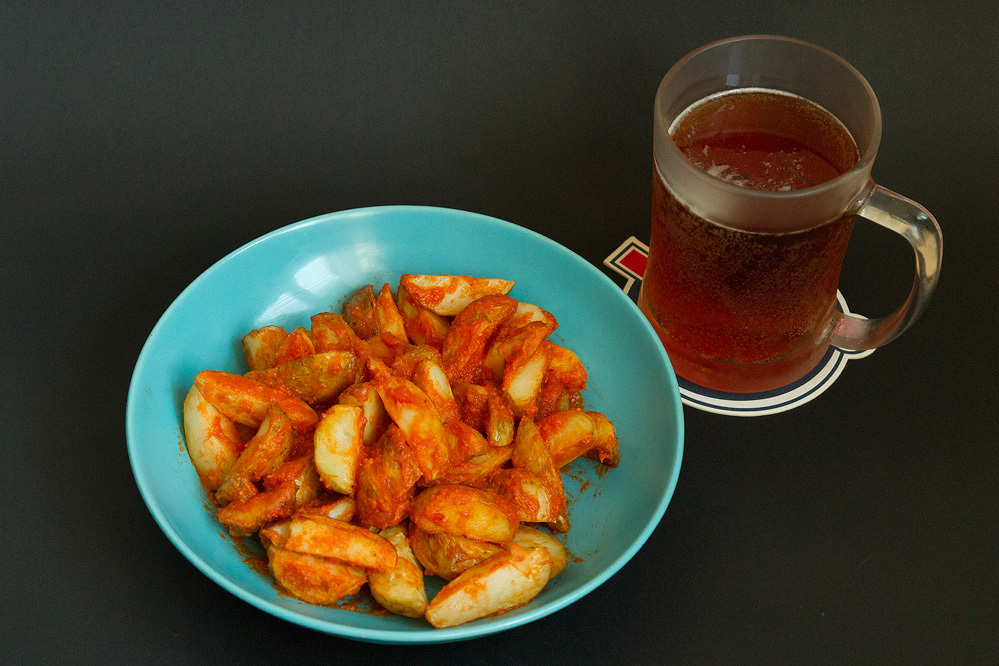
(401, 590)
(508, 344)
(531, 537)
(502, 582)
(314, 580)
(530, 452)
(465, 344)
(422, 326)
(301, 471)
(329, 537)
(430, 378)
(338, 439)
(566, 368)
(605, 448)
(447, 295)
(212, 440)
(246, 401)
(527, 313)
(386, 481)
(465, 511)
(296, 346)
(260, 346)
(387, 317)
(534, 500)
(567, 434)
(406, 357)
(414, 413)
(359, 312)
(331, 332)
(275, 534)
(265, 452)
(473, 403)
(475, 471)
(522, 380)
(448, 555)
(317, 378)
(245, 517)
(555, 397)
(342, 508)
(376, 419)
(464, 441)
(501, 422)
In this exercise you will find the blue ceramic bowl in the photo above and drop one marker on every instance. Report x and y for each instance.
(287, 275)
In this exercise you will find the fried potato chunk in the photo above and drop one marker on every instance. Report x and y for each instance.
(260, 346)
(296, 346)
(401, 590)
(314, 580)
(473, 403)
(317, 378)
(477, 470)
(331, 332)
(414, 413)
(422, 326)
(342, 508)
(387, 317)
(605, 448)
(465, 344)
(386, 481)
(338, 440)
(448, 555)
(244, 517)
(464, 442)
(429, 377)
(246, 401)
(523, 377)
(574, 433)
(567, 434)
(329, 537)
(266, 451)
(213, 442)
(376, 419)
(465, 511)
(530, 537)
(448, 295)
(302, 472)
(527, 313)
(501, 422)
(535, 502)
(359, 312)
(530, 453)
(502, 582)
(566, 368)
(522, 341)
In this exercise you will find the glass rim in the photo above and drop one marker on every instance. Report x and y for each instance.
(861, 168)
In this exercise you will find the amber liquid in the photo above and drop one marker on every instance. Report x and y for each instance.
(743, 311)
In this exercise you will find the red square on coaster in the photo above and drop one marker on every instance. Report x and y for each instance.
(629, 260)
(635, 261)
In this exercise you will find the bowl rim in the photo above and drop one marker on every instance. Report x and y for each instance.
(395, 635)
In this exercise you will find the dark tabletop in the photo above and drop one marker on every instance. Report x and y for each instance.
(141, 142)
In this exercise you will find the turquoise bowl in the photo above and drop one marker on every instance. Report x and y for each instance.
(312, 266)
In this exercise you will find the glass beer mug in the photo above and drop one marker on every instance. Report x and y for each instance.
(763, 152)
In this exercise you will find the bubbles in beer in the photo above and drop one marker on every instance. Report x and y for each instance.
(764, 139)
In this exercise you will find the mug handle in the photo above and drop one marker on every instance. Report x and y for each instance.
(916, 225)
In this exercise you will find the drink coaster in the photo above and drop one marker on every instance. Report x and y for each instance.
(629, 260)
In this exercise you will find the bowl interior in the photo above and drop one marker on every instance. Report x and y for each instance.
(288, 275)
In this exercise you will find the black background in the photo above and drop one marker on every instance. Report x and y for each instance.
(141, 142)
